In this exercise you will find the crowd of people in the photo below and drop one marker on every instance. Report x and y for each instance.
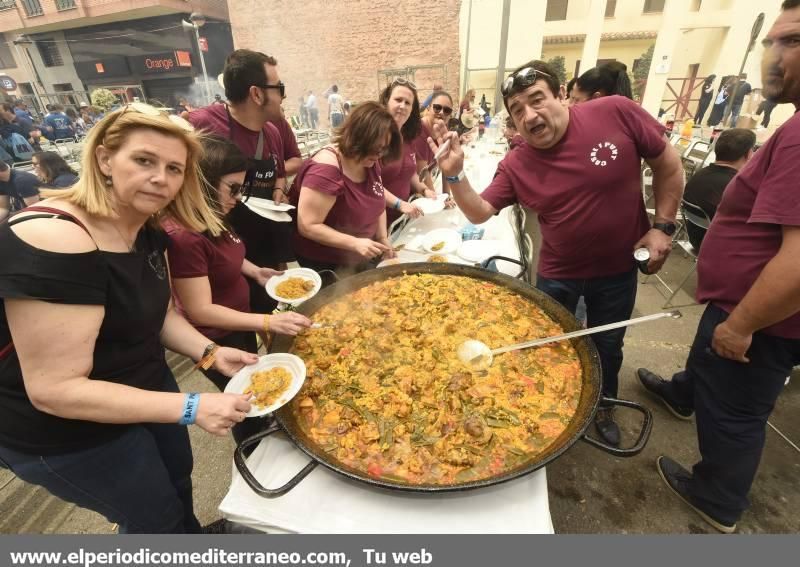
(154, 247)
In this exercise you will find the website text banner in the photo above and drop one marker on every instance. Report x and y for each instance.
(395, 551)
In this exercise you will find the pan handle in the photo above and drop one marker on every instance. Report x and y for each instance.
(241, 465)
(334, 277)
(489, 260)
(644, 435)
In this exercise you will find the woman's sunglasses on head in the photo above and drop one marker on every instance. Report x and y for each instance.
(403, 82)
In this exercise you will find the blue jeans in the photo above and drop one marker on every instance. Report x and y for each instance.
(141, 480)
(736, 109)
(608, 300)
(336, 119)
(732, 402)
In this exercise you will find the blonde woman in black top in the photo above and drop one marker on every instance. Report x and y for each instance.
(88, 407)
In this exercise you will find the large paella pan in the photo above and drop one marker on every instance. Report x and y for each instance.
(387, 402)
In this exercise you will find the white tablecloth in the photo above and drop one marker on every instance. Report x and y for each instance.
(326, 502)
(479, 166)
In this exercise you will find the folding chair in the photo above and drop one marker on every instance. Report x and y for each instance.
(22, 165)
(696, 216)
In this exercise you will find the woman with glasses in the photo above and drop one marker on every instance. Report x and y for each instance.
(209, 272)
(53, 170)
(89, 408)
(440, 109)
(341, 210)
(400, 178)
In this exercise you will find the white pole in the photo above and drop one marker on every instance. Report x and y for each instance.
(202, 64)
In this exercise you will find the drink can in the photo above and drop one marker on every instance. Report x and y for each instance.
(642, 257)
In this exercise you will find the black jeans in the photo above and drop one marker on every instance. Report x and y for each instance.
(141, 480)
(608, 300)
(732, 402)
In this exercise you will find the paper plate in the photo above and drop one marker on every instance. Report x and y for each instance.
(450, 238)
(294, 365)
(304, 273)
(268, 204)
(389, 262)
(429, 206)
(478, 250)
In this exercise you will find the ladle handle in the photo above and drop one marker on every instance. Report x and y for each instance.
(590, 331)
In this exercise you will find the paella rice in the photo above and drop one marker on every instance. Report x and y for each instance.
(294, 288)
(387, 396)
(268, 385)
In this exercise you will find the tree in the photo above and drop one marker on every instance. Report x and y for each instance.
(103, 99)
(558, 64)
(641, 71)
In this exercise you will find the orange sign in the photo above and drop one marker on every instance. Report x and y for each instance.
(99, 68)
(183, 58)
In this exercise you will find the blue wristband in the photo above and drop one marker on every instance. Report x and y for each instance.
(190, 404)
(397, 204)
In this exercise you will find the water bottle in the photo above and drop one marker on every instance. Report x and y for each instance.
(494, 129)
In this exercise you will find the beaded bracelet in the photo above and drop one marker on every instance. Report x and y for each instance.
(190, 405)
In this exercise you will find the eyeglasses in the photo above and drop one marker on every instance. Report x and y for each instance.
(280, 86)
(438, 108)
(520, 80)
(403, 82)
(235, 189)
(142, 108)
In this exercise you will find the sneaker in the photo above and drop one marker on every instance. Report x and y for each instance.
(606, 426)
(655, 385)
(677, 480)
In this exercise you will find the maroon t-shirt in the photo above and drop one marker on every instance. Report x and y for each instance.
(420, 144)
(215, 119)
(586, 189)
(396, 176)
(747, 230)
(357, 210)
(290, 148)
(193, 255)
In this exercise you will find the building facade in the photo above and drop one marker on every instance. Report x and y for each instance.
(691, 40)
(358, 45)
(60, 50)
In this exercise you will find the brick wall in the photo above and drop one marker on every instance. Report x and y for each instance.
(322, 42)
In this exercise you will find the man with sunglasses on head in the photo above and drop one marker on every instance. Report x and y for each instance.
(254, 92)
(579, 170)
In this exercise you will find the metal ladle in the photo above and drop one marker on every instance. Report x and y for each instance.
(478, 356)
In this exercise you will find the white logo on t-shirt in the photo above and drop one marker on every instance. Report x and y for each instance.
(377, 188)
(602, 153)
